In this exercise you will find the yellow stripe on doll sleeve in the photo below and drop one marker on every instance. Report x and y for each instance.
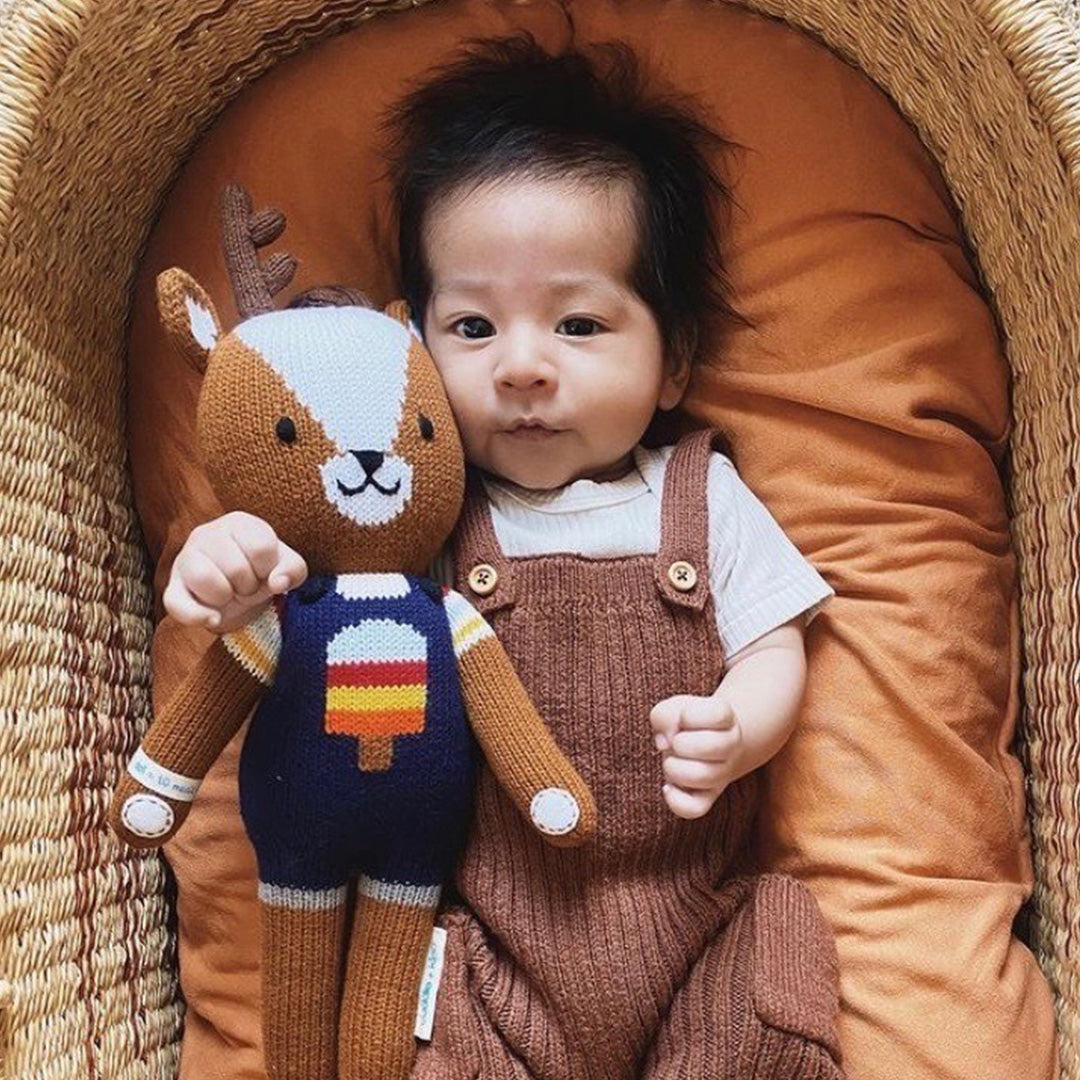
(466, 623)
(257, 646)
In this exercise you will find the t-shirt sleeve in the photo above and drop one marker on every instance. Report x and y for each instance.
(759, 578)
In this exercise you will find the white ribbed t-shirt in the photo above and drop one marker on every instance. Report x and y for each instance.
(759, 579)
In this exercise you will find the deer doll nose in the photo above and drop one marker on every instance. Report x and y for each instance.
(370, 460)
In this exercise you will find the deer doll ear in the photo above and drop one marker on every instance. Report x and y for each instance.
(188, 316)
(399, 310)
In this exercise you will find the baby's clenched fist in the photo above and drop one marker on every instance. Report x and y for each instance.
(702, 744)
(227, 570)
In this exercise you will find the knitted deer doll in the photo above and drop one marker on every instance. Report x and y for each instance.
(331, 423)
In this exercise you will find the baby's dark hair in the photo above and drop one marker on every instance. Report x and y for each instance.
(507, 108)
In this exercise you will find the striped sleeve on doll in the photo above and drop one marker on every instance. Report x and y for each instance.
(257, 646)
(467, 625)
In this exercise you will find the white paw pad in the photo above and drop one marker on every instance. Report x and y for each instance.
(554, 811)
(147, 816)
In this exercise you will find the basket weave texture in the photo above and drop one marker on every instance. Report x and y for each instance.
(99, 103)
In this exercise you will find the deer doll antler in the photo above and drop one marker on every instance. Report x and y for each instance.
(243, 233)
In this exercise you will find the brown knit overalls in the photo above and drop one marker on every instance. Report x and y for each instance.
(641, 954)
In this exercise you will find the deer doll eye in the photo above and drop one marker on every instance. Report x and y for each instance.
(427, 428)
(285, 430)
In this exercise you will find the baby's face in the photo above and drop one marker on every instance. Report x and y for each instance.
(553, 365)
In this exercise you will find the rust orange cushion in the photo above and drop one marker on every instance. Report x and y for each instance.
(868, 407)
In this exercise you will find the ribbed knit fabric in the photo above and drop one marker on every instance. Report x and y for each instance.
(759, 579)
(385, 938)
(776, 1017)
(635, 955)
(301, 982)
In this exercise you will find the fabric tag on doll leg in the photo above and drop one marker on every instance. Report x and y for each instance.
(429, 984)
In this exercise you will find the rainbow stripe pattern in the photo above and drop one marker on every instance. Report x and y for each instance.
(376, 680)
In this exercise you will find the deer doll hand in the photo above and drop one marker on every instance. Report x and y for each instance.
(154, 795)
(143, 816)
(520, 750)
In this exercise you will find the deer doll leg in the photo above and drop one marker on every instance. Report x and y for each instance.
(761, 1002)
(302, 896)
(303, 938)
(391, 933)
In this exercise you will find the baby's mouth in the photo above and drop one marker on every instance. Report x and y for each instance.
(531, 429)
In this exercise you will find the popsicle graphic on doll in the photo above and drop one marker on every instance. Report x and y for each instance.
(330, 422)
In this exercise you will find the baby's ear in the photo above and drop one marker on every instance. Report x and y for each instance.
(677, 371)
(188, 316)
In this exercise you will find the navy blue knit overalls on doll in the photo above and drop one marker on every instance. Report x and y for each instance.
(315, 819)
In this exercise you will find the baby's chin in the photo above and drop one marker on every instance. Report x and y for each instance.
(532, 479)
(534, 468)
(541, 469)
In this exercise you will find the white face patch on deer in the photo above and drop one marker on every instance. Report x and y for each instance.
(347, 366)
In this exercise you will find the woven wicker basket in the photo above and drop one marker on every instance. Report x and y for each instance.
(99, 102)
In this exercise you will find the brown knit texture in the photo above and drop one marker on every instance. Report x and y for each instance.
(248, 472)
(301, 983)
(242, 456)
(386, 960)
(243, 231)
(638, 951)
(173, 288)
(204, 714)
(517, 745)
(755, 1006)
(191, 731)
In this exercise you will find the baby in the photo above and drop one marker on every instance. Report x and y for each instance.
(557, 238)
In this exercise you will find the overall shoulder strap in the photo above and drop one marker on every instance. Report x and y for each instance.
(482, 573)
(681, 568)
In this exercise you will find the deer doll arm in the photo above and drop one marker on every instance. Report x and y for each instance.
(517, 744)
(154, 796)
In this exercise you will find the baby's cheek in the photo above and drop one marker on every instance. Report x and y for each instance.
(466, 403)
(471, 429)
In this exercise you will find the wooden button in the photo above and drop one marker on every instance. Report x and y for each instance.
(682, 575)
(483, 579)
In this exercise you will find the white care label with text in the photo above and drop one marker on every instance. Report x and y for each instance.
(429, 985)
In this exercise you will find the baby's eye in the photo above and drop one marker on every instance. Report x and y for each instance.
(474, 326)
(580, 326)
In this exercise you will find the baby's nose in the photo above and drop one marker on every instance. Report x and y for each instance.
(523, 381)
(525, 370)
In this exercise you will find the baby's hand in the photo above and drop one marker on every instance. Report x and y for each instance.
(702, 746)
(227, 570)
